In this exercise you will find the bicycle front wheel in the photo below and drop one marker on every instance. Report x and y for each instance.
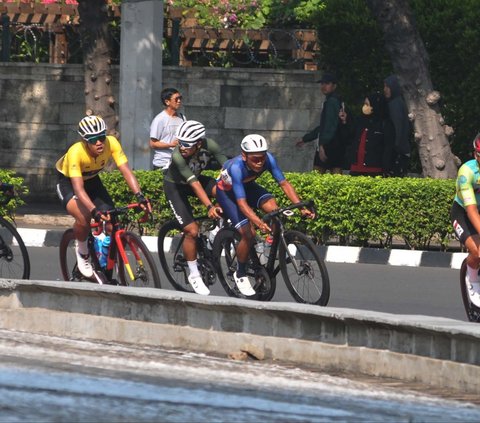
(225, 257)
(170, 253)
(139, 269)
(473, 312)
(303, 270)
(14, 260)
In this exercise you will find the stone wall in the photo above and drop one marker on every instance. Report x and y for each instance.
(42, 104)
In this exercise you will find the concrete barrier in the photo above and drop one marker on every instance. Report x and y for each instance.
(436, 351)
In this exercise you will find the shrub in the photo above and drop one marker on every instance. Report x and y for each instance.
(352, 210)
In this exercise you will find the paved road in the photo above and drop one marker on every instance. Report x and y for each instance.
(392, 289)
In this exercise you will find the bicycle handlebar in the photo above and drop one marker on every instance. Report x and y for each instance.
(117, 211)
(308, 204)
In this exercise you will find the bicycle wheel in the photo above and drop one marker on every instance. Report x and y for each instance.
(303, 271)
(225, 257)
(473, 312)
(14, 260)
(140, 269)
(68, 258)
(170, 253)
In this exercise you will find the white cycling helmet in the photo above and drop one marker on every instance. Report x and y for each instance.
(254, 143)
(190, 132)
(92, 126)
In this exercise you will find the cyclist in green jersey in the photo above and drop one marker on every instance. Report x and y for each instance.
(183, 179)
(465, 218)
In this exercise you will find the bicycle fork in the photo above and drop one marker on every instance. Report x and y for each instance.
(123, 254)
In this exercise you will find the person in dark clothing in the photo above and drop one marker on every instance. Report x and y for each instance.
(373, 139)
(399, 116)
(330, 154)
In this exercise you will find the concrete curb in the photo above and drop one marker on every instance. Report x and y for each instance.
(334, 254)
(436, 351)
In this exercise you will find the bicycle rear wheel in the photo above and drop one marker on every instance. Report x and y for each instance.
(139, 270)
(14, 260)
(473, 312)
(303, 270)
(170, 253)
(225, 257)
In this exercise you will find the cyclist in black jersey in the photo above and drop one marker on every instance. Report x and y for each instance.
(183, 179)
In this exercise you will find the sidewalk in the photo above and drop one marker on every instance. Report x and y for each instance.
(42, 225)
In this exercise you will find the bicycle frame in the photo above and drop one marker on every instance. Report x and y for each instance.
(116, 246)
(278, 236)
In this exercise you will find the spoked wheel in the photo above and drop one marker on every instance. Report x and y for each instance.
(139, 269)
(224, 251)
(170, 253)
(14, 260)
(68, 258)
(68, 262)
(303, 270)
(473, 312)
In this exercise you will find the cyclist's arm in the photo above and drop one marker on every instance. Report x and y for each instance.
(241, 197)
(81, 194)
(213, 147)
(129, 177)
(289, 191)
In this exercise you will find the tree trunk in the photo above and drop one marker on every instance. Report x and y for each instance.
(411, 65)
(96, 46)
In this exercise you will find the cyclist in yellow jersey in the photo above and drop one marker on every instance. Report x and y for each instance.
(465, 218)
(79, 186)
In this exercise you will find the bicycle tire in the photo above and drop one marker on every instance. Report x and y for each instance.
(68, 258)
(224, 253)
(473, 312)
(170, 253)
(313, 283)
(141, 263)
(14, 259)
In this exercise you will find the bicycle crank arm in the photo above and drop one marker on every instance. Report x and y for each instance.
(98, 278)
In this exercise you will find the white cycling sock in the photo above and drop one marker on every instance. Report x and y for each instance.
(193, 267)
(82, 247)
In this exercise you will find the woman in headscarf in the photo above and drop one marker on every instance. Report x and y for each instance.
(373, 139)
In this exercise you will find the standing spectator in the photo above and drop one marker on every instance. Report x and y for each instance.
(373, 138)
(330, 154)
(399, 116)
(164, 127)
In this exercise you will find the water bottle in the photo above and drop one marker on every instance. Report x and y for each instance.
(97, 244)
(260, 249)
(102, 260)
(211, 236)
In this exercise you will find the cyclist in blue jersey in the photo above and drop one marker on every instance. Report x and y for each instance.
(238, 194)
(465, 218)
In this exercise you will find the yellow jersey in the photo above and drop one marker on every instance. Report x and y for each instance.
(77, 162)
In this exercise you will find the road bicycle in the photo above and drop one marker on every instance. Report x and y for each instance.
(170, 253)
(473, 312)
(14, 259)
(303, 270)
(129, 262)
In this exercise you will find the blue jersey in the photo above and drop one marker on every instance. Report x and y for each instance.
(235, 174)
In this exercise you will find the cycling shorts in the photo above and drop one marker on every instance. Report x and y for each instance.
(93, 187)
(177, 196)
(461, 223)
(256, 196)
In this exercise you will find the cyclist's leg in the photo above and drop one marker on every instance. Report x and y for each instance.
(468, 236)
(232, 211)
(177, 196)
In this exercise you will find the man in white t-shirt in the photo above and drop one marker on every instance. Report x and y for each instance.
(164, 127)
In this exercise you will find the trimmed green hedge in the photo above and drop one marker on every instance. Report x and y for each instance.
(351, 210)
(9, 177)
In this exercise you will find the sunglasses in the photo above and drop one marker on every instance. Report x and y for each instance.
(93, 140)
(187, 145)
(258, 159)
(177, 99)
